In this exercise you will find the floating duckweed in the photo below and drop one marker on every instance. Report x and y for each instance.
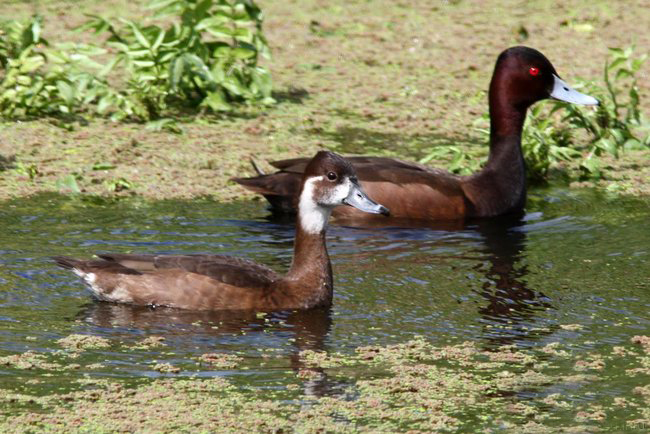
(220, 361)
(76, 342)
(644, 341)
(457, 388)
(150, 342)
(167, 368)
(28, 360)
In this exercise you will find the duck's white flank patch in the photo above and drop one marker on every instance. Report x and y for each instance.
(90, 279)
(119, 294)
(313, 217)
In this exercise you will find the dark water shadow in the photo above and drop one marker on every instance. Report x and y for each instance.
(305, 329)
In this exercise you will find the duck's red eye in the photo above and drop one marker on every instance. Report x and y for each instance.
(533, 71)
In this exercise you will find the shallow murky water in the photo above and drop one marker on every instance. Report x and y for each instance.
(574, 269)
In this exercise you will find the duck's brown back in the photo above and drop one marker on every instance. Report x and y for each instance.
(408, 190)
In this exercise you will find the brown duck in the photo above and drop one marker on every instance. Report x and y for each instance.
(214, 282)
(522, 76)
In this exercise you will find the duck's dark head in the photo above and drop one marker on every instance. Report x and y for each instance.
(329, 180)
(523, 76)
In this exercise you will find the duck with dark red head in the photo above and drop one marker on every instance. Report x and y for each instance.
(217, 282)
(522, 76)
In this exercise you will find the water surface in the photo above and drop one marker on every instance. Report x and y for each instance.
(575, 258)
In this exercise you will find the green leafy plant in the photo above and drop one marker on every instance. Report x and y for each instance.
(617, 124)
(68, 183)
(119, 184)
(37, 81)
(544, 144)
(27, 169)
(209, 58)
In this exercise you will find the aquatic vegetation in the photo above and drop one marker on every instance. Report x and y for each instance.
(220, 361)
(166, 368)
(396, 388)
(150, 342)
(77, 342)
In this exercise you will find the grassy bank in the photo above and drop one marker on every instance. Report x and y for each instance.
(369, 77)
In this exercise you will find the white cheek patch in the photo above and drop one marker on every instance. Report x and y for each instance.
(339, 193)
(313, 217)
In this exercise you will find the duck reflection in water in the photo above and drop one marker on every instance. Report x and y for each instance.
(512, 306)
(513, 309)
(198, 332)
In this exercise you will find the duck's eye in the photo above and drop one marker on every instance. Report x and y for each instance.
(533, 71)
(331, 176)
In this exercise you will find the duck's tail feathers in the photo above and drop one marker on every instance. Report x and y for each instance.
(281, 189)
(81, 266)
(66, 262)
(257, 169)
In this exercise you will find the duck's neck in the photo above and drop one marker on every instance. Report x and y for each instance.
(500, 187)
(310, 277)
(506, 125)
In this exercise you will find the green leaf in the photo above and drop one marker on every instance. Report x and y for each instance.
(66, 91)
(262, 79)
(103, 104)
(201, 9)
(109, 66)
(219, 31)
(161, 4)
(623, 73)
(243, 34)
(36, 30)
(212, 21)
(139, 36)
(68, 183)
(216, 102)
(119, 184)
(608, 146)
(144, 63)
(633, 144)
(103, 166)
(199, 67)
(134, 54)
(176, 69)
(615, 63)
(24, 80)
(31, 64)
(618, 135)
(166, 124)
(243, 53)
(159, 40)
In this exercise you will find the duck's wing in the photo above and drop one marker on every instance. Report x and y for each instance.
(202, 282)
(231, 270)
